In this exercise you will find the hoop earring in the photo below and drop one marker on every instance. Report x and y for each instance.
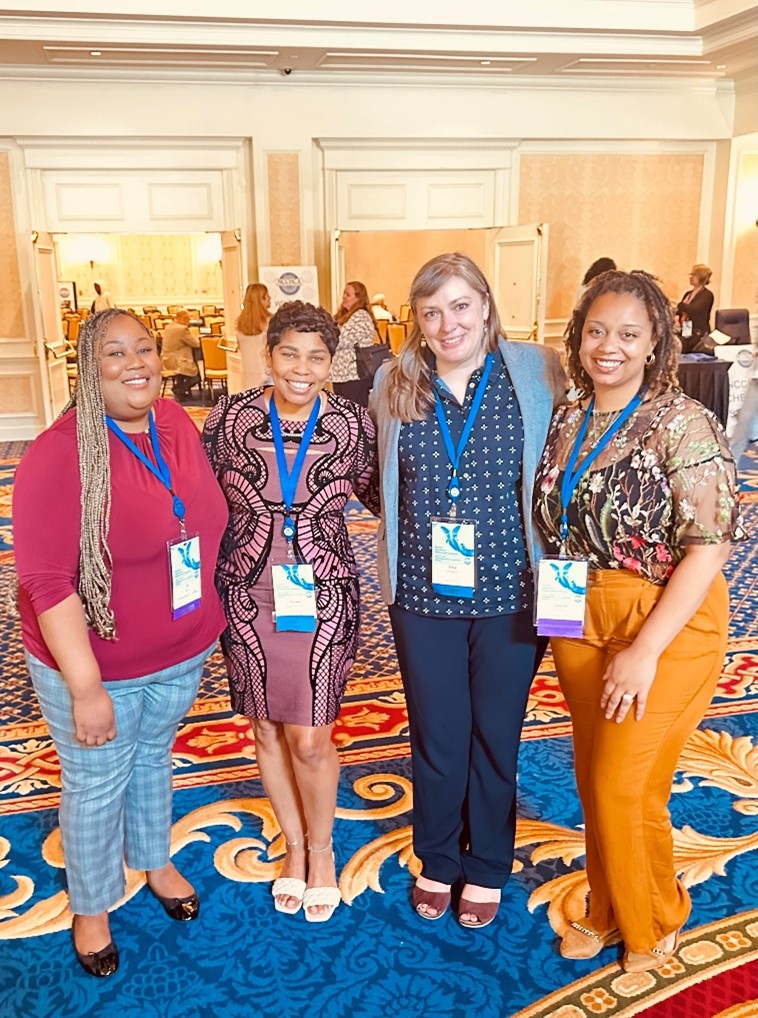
(650, 359)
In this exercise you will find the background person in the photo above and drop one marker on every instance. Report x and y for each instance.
(357, 328)
(654, 515)
(102, 301)
(379, 308)
(467, 657)
(176, 355)
(290, 682)
(251, 329)
(604, 264)
(114, 671)
(694, 309)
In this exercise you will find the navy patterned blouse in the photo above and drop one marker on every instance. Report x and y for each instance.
(490, 475)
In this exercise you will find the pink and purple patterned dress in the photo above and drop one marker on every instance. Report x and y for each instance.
(295, 678)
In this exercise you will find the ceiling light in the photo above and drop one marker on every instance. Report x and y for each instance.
(485, 63)
(720, 67)
(95, 53)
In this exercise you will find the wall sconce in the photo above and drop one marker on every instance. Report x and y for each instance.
(35, 236)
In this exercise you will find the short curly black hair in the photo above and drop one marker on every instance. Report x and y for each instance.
(297, 316)
(661, 375)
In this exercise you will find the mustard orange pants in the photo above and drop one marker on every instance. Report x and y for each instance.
(624, 771)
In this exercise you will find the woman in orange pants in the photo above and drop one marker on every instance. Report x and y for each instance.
(637, 485)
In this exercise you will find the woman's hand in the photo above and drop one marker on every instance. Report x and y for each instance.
(94, 721)
(627, 678)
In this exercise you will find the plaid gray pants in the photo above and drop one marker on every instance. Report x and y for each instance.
(116, 799)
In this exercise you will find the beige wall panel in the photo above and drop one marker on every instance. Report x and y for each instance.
(641, 210)
(11, 317)
(283, 173)
(136, 201)
(415, 200)
(453, 201)
(376, 201)
(745, 282)
(387, 261)
(74, 202)
(180, 201)
(16, 394)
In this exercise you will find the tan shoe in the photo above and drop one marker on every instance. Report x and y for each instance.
(580, 942)
(655, 958)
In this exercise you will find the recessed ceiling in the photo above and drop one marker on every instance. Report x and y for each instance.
(489, 39)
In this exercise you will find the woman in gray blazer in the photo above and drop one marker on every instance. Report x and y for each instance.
(462, 417)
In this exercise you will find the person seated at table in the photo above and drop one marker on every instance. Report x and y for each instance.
(379, 309)
(176, 355)
(694, 309)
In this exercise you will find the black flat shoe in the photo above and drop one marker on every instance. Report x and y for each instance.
(184, 910)
(100, 963)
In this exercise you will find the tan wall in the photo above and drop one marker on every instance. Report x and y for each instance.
(388, 261)
(283, 177)
(11, 314)
(641, 210)
(745, 283)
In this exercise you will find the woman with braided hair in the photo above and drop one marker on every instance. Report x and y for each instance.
(637, 488)
(117, 524)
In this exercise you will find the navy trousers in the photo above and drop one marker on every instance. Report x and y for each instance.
(466, 684)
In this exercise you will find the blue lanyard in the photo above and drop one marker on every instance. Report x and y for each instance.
(573, 473)
(453, 454)
(289, 479)
(160, 471)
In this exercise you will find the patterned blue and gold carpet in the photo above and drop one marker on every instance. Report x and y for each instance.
(375, 958)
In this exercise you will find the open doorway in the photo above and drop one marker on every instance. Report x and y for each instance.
(514, 259)
(201, 272)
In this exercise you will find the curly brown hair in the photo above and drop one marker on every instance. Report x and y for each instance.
(297, 316)
(661, 375)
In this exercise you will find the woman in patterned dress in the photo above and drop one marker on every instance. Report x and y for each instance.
(291, 683)
(654, 515)
(357, 328)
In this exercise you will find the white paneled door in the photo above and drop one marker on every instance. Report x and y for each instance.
(51, 349)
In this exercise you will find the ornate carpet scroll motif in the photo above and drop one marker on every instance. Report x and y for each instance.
(375, 957)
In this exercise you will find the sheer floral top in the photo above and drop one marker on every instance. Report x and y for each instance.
(666, 479)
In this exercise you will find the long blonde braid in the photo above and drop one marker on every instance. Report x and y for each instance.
(95, 560)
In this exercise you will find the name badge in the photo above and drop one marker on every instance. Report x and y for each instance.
(453, 557)
(184, 572)
(294, 597)
(561, 597)
(687, 328)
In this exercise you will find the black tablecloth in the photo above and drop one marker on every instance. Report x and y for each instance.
(706, 379)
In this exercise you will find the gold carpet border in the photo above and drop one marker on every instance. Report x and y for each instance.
(609, 990)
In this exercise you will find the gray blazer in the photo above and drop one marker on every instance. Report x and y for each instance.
(540, 385)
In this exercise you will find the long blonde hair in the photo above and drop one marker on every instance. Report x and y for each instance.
(362, 304)
(95, 560)
(254, 316)
(409, 380)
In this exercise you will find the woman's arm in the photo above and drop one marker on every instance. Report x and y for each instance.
(64, 630)
(632, 671)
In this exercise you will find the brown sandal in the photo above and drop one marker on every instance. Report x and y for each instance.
(483, 911)
(438, 900)
(655, 958)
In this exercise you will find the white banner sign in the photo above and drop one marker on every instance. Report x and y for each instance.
(290, 282)
(740, 373)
